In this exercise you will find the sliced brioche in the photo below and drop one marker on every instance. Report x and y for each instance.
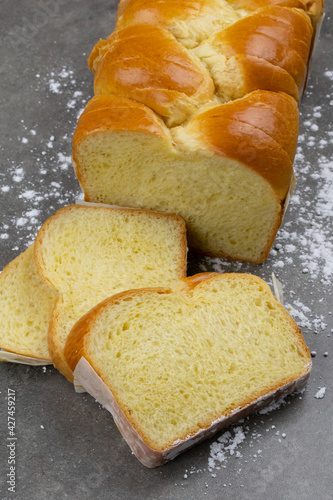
(26, 304)
(90, 253)
(175, 366)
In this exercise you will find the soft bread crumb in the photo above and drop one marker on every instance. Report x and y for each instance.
(176, 362)
(26, 304)
(89, 254)
(229, 209)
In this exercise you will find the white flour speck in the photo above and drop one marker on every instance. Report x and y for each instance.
(225, 446)
(321, 393)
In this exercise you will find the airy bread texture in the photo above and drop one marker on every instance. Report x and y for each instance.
(170, 127)
(88, 254)
(212, 172)
(26, 304)
(178, 361)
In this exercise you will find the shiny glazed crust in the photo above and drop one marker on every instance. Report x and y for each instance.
(212, 77)
(259, 130)
(165, 12)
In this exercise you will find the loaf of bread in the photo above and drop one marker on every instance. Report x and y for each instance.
(195, 113)
(88, 254)
(175, 366)
(26, 304)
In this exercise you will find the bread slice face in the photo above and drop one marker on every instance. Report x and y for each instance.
(88, 254)
(26, 305)
(177, 363)
(227, 172)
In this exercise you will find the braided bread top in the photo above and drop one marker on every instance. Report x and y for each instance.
(184, 55)
(223, 76)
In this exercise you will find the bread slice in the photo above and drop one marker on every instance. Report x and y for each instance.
(174, 367)
(88, 254)
(26, 304)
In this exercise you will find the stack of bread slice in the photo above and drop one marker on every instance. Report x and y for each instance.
(81, 256)
(102, 294)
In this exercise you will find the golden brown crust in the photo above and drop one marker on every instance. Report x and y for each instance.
(166, 12)
(278, 35)
(161, 13)
(314, 8)
(111, 112)
(75, 344)
(147, 64)
(265, 45)
(259, 130)
(261, 74)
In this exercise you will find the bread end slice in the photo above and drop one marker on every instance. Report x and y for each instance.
(174, 367)
(26, 305)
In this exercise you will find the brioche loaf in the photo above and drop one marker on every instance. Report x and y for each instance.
(228, 176)
(87, 254)
(195, 113)
(26, 304)
(173, 367)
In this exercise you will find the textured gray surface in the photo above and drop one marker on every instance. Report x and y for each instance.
(78, 453)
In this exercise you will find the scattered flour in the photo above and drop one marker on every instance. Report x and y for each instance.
(64, 161)
(28, 195)
(329, 74)
(321, 393)
(50, 157)
(59, 80)
(225, 446)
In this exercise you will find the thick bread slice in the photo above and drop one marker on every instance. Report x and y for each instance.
(26, 304)
(174, 367)
(90, 253)
(227, 172)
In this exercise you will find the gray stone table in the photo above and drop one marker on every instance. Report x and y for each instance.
(68, 446)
